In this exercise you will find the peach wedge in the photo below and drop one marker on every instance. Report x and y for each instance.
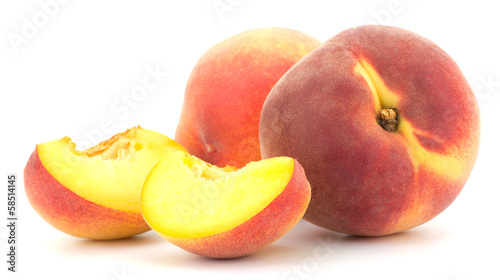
(95, 193)
(224, 212)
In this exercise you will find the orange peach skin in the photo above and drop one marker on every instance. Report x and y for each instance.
(73, 214)
(219, 122)
(364, 179)
(274, 221)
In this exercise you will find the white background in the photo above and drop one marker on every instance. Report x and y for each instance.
(65, 76)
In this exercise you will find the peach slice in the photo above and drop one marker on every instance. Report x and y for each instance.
(224, 212)
(95, 193)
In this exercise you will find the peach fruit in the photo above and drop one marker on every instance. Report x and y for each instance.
(219, 122)
(224, 212)
(95, 193)
(383, 122)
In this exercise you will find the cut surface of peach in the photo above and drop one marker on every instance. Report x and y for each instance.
(111, 173)
(185, 197)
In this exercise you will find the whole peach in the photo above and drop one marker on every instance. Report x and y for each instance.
(219, 122)
(383, 122)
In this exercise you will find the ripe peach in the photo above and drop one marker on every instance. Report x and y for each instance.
(219, 122)
(95, 193)
(224, 212)
(383, 122)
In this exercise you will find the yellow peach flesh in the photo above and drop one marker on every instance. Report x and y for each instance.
(110, 174)
(186, 197)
